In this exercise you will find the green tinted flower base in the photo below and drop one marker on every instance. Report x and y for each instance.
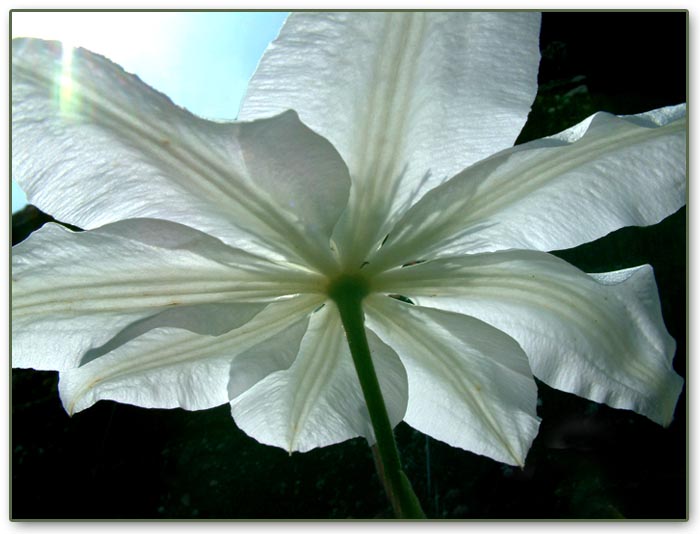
(347, 292)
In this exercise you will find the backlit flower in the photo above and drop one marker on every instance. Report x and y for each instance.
(371, 145)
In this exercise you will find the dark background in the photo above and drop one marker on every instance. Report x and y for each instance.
(589, 461)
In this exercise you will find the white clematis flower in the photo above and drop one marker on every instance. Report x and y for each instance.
(202, 276)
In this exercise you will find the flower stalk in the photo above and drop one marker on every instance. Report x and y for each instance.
(348, 292)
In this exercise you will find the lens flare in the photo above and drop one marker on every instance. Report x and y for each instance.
(67, 98)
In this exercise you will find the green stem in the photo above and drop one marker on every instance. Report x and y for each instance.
(348, 293)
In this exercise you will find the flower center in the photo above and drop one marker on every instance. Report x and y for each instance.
(348, 287)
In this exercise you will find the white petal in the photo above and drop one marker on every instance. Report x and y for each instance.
(408, 99)
(554, 193)
(318, 401)
(72, 292)
(169, 367)
(599, 336)
(470, 385)
(92, 145)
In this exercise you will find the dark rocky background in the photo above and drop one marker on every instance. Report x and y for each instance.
(119, 462)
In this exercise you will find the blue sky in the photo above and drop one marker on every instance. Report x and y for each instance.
(202, 60)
